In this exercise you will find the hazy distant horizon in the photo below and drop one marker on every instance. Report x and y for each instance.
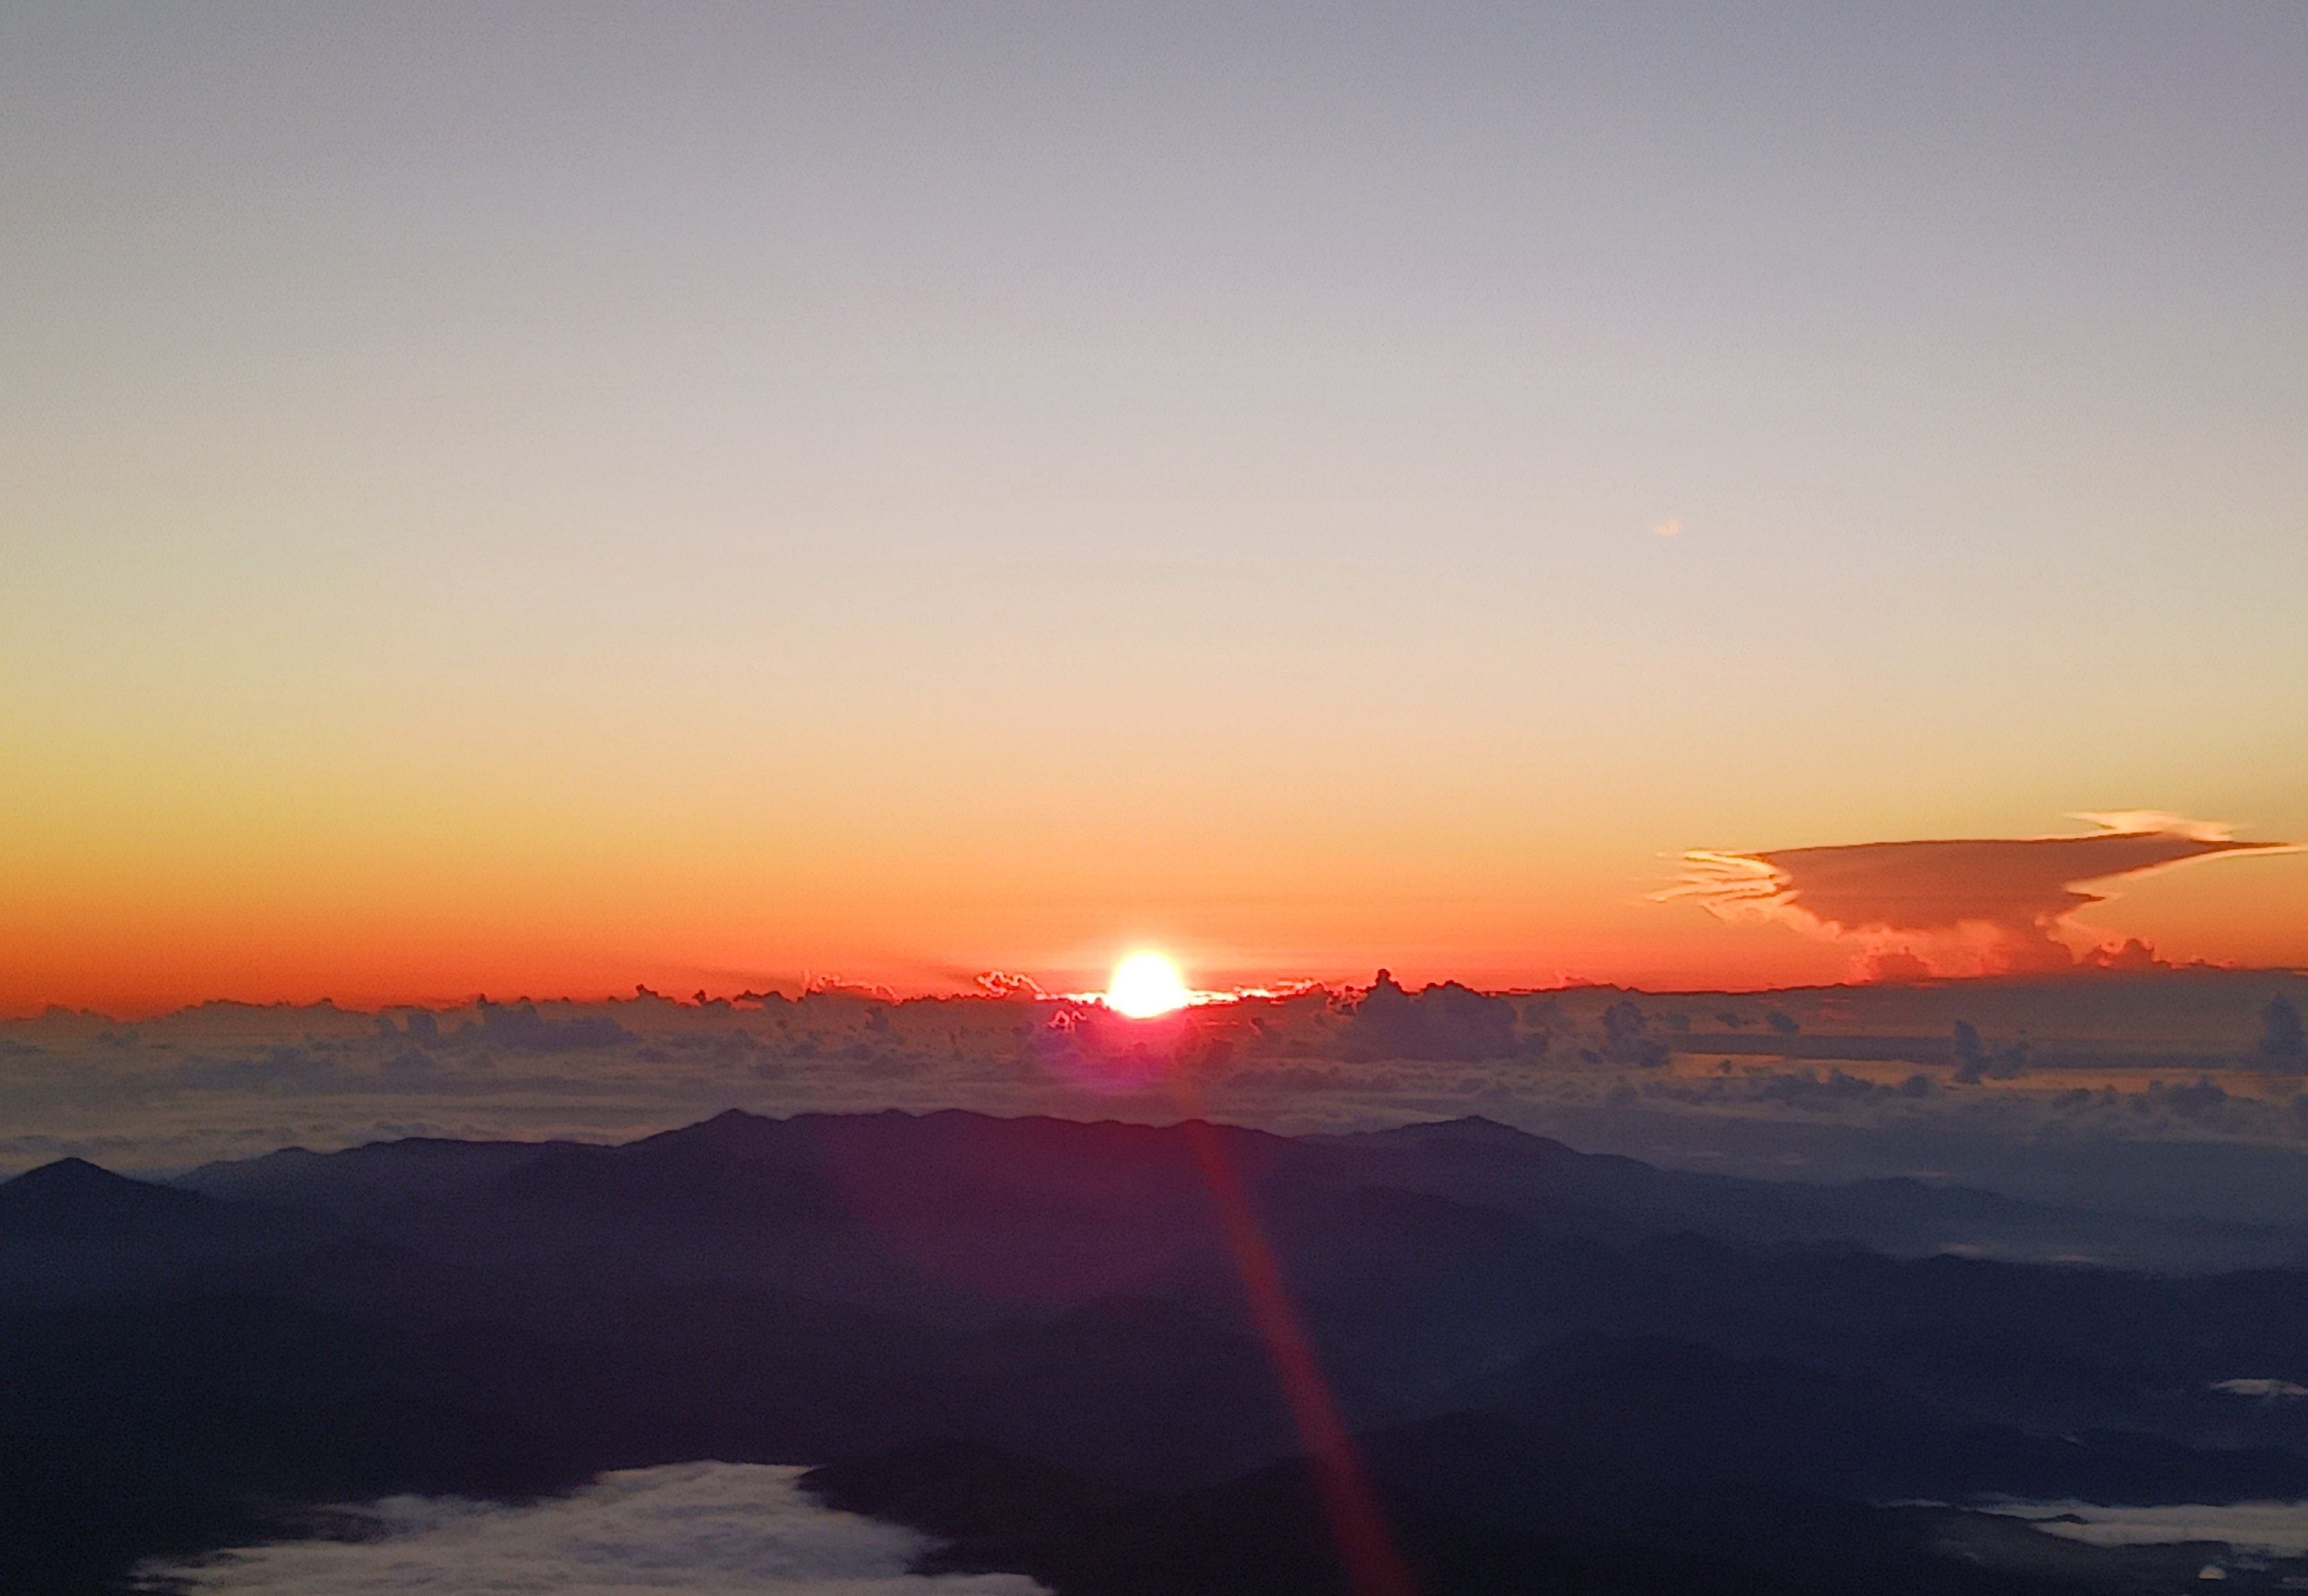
(1078, 987)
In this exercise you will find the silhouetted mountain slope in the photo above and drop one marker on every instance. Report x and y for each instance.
(1468, 1514)
(1018, 1166)
(70, 1227)
(72, 1197)
(1645, 1413)
(958, 1219)
(1495, 1311)
(355, 1180)
(1476, 1160)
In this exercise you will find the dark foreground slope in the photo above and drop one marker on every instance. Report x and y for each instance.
(1514, 1532)
(1041, 1322)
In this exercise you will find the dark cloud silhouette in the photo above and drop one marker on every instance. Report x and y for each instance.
(1626, 1038)
(1955, 907)
(1975, 1061)
(1444, 1022)
(278, 1071)
(2203, 1100)
(521, 1028)
(2281, 1039)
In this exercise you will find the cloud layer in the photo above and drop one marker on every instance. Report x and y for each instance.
(704, 1528)
(1842, 1081)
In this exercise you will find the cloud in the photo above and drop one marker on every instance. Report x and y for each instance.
(521, 1029)
(231, 1082)
(1958, 907)
(1002, 983)
(2280, 1528)
(1667, 528)
(1442, 1022)
(704, 1528)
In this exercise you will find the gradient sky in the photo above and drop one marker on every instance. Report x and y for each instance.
(544, 498)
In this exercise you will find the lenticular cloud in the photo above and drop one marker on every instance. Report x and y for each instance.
(704, 1528)
(1975, 906)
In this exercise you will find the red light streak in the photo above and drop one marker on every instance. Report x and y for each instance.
(1358, 1521)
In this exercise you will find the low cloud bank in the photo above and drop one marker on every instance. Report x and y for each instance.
(705, 1528)
(1786, 1082)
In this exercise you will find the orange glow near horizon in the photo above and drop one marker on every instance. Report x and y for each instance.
(163, 921)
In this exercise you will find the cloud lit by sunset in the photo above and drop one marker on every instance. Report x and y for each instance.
(1954, 908)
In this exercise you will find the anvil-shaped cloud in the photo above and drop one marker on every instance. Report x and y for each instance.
(1980, 906)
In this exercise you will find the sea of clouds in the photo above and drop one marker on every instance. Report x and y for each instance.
(2195, 1121)
(704, 1528)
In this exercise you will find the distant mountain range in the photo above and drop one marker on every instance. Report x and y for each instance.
(1029, 1338)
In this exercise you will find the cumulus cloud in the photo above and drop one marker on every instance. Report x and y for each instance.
(1955, 907)
(1448, 1021)
(705, 1528)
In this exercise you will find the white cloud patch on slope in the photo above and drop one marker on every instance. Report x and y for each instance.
(705, 1528)
(2276, 1528)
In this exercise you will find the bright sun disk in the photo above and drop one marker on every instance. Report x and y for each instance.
(1145, 984)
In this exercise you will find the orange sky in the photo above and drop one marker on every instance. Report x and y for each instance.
(284, 916)
(538, 508)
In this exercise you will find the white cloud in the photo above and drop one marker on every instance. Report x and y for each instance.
(2266, 1390)
(2276, 1527)
(705, 1528)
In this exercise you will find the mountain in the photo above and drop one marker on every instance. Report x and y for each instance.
(72, 1197)
(71, 1228)
(1474, 1159)
(415, 1169)
(1555, 1361)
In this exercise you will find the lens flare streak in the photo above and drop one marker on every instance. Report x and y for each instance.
(1365, 1544)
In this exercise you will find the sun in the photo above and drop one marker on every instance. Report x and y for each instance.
(1145, 984)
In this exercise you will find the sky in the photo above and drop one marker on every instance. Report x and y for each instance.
(545, 498)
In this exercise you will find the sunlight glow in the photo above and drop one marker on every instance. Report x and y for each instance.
(1145, 984)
